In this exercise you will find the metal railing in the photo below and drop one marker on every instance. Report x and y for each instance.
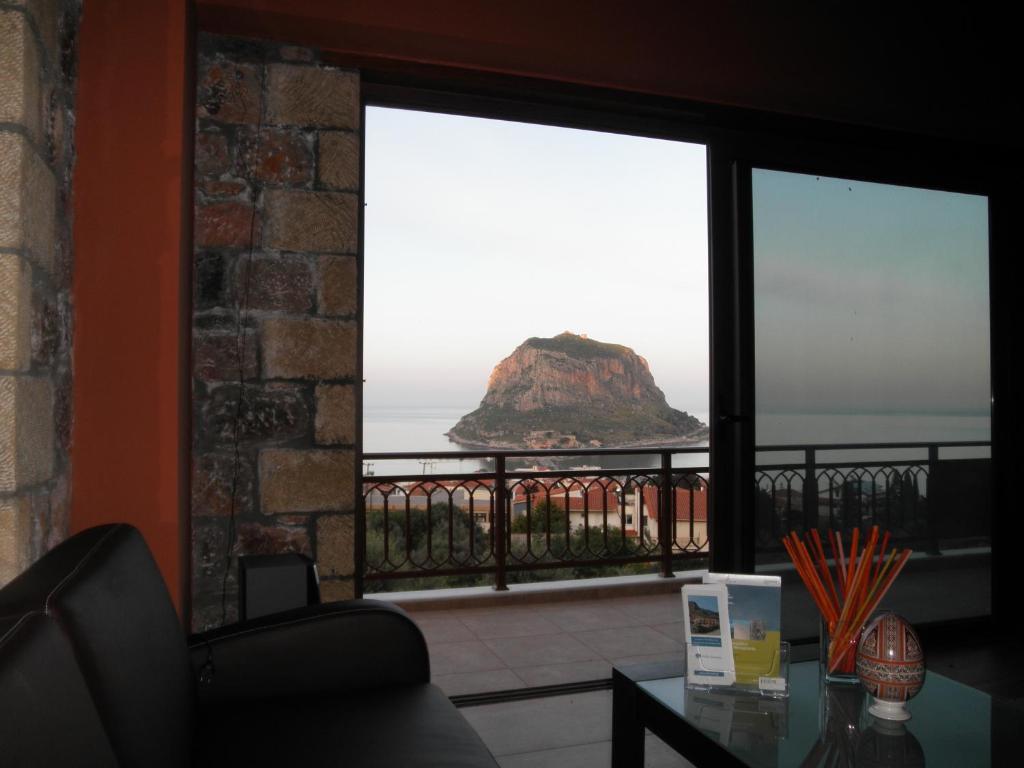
(505, 523)
(918, 497)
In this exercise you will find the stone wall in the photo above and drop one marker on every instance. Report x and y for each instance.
(37, 80)
(275, 338)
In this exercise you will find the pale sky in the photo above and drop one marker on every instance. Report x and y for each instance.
(483, 233)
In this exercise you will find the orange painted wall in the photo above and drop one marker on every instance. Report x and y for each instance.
(131, 228)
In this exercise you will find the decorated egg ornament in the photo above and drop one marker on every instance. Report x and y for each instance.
(890, 665)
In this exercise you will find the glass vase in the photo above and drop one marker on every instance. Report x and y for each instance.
(846, 671)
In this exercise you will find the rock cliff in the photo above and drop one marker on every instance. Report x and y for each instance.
(570, 391)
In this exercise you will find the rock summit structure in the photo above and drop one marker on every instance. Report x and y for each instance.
(571, 391)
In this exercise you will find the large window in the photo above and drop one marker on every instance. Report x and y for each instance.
(482, 233)
(531, 287)
(850, 343)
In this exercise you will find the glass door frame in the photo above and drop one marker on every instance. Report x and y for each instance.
(864, 156)
(738, 140)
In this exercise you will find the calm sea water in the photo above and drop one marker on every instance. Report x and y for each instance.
(779, 429)
(422, 429)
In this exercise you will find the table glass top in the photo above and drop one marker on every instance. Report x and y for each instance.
(951, 724)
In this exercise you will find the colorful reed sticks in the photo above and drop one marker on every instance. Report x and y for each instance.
(861, 581)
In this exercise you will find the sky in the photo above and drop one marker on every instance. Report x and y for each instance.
(483, 233)
(869, 298)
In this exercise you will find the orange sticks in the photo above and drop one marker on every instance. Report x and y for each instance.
(870, 603)
(819, 552)
(881, 554)
(863, 580)
(837, 557)
(802, 560)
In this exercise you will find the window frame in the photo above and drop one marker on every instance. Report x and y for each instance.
(737, 140)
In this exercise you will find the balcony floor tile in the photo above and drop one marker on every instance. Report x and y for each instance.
(540, 649)
(488, 648)
(452, 658)
(560, 674)
(669, 656)
(532, 725)
(651, 609)
(627, 641)
(575, 617)
(559, 732)
(444, 629)
(673, 631)
(509, 622)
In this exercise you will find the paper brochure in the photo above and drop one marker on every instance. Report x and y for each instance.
(709, 655)
(755, 616)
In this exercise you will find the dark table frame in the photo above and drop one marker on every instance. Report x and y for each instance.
(634, 710)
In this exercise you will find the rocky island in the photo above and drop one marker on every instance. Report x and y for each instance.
(571, 391)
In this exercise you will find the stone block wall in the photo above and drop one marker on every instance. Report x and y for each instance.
(37, 81)
(275, 301)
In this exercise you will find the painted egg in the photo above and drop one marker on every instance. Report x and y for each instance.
(890, 662)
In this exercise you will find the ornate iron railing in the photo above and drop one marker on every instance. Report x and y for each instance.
(914, 497)
(505, 522)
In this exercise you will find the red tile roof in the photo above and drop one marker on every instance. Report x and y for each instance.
(687, 503)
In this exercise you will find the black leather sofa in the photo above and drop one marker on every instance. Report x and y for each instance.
(95, 670)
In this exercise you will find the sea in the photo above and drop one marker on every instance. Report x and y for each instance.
(422, 429)
(400, 429)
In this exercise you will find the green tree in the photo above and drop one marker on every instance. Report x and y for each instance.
(544, 515)
(423, 537)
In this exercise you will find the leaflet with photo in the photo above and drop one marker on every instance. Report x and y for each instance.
(709, 655)
(755, 618)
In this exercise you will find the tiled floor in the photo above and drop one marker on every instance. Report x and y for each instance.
(559, 731)
(479, 648)
(487, 648)
(575, 730)
(474, 650)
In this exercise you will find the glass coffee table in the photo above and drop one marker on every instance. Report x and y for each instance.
(951, 725)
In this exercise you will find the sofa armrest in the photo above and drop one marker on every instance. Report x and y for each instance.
(335, 647)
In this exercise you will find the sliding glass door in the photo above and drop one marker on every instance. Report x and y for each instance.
(872, 380)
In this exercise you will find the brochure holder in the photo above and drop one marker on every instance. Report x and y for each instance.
(732, 629)
(771, 686)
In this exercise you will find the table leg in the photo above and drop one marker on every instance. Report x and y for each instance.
(627, 731)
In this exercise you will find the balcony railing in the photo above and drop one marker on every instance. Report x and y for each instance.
(509, 523)
(926, 498)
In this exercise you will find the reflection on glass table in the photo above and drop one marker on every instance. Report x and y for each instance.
(951, 725)
(748, 723)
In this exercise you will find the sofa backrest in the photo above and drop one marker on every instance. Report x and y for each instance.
(104, 590)
(48, 716)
